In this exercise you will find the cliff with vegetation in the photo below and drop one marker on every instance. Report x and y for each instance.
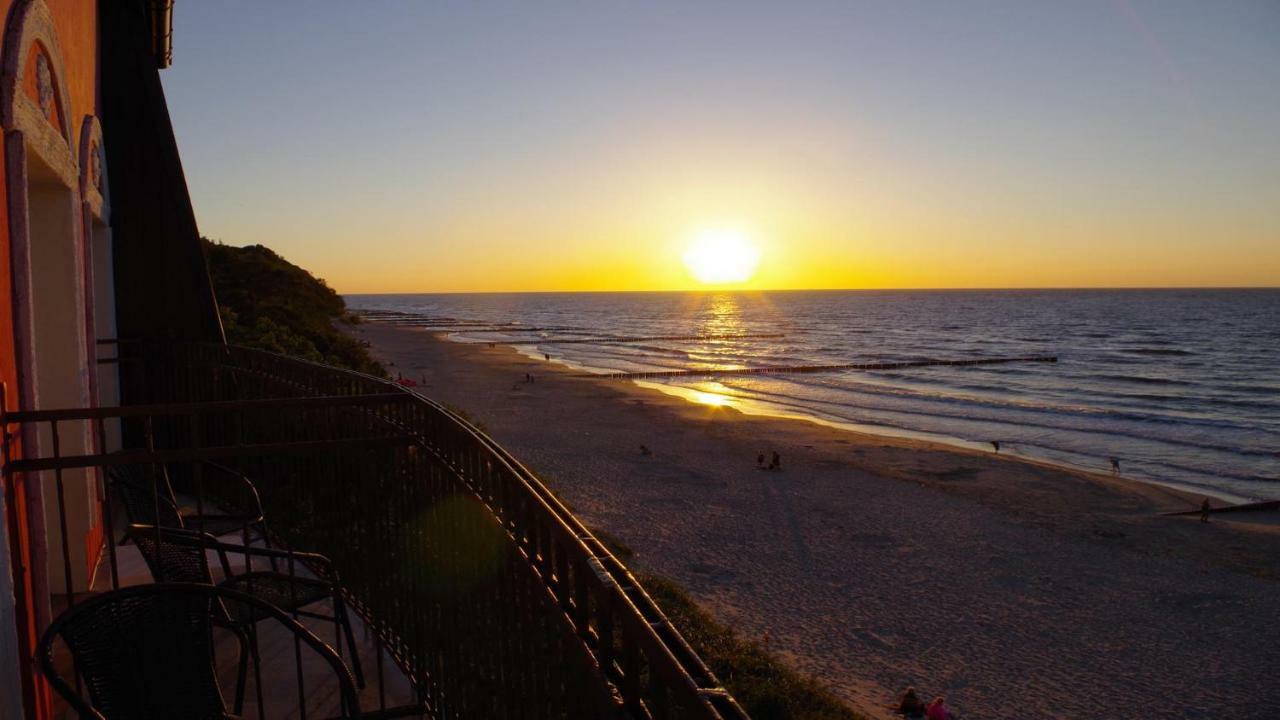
(266, 302)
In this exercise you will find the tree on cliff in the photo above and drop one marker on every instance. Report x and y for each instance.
(266, 302)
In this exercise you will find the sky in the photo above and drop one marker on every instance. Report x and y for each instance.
(409, 146)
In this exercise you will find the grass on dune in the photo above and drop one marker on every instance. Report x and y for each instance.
(765, 687)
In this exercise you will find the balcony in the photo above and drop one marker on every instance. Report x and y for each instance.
(477, 594)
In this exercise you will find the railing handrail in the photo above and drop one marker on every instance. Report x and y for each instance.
(107, 412)
(531, 521)
(222, 452)
(710, 692)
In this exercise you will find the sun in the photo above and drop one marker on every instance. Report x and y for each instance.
(722, 256)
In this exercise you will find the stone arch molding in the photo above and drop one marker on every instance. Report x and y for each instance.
(31, 27)
(93, 170)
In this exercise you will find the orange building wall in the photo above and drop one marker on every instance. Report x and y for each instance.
(15, 500)
(75, 22)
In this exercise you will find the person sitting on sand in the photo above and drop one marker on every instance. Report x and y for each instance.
(1204, 511)
(910, 705)
(938, 710)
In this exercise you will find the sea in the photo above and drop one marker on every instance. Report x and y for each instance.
(1181, 387)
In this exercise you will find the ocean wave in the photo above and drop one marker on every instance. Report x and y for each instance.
(1157, 351)
(1046, 417)
(1146, 380)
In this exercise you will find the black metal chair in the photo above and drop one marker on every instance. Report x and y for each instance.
(181, 555)
(147, 495)
(149, 652)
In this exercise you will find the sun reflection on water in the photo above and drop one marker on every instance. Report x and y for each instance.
(712, 399)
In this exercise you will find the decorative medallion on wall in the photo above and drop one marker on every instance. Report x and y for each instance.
(44, 85)
(95, 166)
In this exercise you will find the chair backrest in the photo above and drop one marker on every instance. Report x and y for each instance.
(145, 493)
(173, 555)
(140, 654)
(148, 651)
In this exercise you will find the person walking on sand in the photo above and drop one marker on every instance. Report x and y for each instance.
(547, 356)
(776, 462)
(910, 705)
(1204, 511)
(938, 710)
(1115, 466)
(995, 444)
(760, 461)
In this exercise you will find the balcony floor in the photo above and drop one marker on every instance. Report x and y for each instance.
(386, 686)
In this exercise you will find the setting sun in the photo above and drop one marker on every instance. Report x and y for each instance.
(722, 256)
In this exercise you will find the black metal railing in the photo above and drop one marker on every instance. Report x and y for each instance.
(484, 589)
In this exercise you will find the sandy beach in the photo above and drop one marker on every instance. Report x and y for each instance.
(1016, 589)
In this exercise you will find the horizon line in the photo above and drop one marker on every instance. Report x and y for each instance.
(1055, 288)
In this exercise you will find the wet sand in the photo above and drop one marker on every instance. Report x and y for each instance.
(1016, 589)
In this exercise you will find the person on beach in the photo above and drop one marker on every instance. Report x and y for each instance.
(996, 445)
(547, 356)
(1115, 466)
(644, 450)
(938, 710)
(776, 462)
(910, 705)
(760, 461)
(1204, 511)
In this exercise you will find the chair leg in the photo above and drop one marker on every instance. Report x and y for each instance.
(242, 671)
(257, 670)
(341, 619)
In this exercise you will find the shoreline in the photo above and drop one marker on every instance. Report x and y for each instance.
(944, 442)
(870, 431)
(834, 558)
(749, 406)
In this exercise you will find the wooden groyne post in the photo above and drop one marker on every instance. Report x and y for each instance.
(645, 338)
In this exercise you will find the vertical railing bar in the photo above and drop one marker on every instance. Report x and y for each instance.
(108, 509)
(382, 687)
(149, 433)
(62, 516)
(297, 659)
(197, 473)
(62, 524)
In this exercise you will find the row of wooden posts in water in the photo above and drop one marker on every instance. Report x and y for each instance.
(786, 369)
